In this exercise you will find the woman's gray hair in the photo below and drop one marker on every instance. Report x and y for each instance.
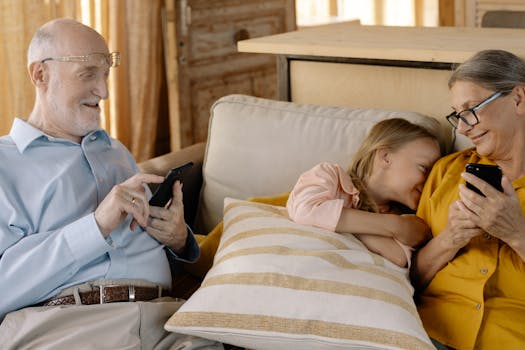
(496, 70)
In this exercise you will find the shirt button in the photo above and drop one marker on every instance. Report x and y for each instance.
(92, 137)
(484, 271)
(478, 306)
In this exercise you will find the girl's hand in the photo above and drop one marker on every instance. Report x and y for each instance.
(410, 230)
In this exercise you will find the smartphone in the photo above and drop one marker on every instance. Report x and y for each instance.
(489, 173)
(165, 191)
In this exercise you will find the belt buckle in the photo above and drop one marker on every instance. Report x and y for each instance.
(131, 293)
(102, 292)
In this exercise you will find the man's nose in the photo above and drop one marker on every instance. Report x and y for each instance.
(101, 89)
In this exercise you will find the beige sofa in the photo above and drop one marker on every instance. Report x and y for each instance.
(258, 147)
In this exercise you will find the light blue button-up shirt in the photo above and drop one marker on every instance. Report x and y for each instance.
(49, 240)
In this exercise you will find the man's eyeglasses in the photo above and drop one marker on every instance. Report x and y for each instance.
(469, 116)
(98, 59)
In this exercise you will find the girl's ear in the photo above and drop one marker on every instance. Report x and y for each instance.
(383, 156)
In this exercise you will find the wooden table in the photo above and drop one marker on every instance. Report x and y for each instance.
(402, 68)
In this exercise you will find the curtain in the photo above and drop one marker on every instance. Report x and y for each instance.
(132, 27)
(18, 22)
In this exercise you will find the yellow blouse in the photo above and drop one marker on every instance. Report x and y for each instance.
(477, 301)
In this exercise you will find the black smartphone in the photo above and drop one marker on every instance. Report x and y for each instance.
(165, 191)
(488, 173)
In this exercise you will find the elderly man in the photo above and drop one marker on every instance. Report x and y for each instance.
(78, 240)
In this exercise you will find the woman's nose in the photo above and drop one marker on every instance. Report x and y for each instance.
(463, 127)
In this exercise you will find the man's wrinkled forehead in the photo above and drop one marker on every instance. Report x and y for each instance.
(76, 39)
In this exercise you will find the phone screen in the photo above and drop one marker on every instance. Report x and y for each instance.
(164, 192)
(488, 173)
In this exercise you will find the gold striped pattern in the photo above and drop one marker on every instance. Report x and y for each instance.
(273, 212)
(302, 321)
(280, 231)
(311, 285)
(337, 331)
(244, 216)
(330, 257)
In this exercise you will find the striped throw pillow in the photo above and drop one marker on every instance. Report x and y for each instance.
(276, 284)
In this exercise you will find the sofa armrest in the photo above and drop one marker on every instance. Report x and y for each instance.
(192, 179)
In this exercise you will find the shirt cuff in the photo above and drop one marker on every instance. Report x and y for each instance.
(191, 251)
(85, 240)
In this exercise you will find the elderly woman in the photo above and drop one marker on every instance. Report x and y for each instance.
(471, 274)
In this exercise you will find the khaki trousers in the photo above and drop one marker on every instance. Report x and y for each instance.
(112, 326)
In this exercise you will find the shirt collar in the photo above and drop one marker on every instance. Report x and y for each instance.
(23, 134)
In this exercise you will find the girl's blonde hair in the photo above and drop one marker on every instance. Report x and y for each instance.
(389, 134)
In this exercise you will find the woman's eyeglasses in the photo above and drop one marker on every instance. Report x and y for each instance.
(469, 116)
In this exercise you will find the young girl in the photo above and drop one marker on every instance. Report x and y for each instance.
(385, 180)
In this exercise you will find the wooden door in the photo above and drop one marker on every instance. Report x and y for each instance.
(204, 64)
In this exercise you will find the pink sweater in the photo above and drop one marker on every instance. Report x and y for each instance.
(320, 195)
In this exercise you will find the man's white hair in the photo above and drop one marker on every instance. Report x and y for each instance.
(39, 45)
(42, 44)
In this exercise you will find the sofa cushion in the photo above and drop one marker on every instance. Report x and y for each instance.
(276, 284)
(258, 147)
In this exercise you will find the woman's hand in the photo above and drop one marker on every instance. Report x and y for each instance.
(441, 249)
(499, 213)
(460, 229)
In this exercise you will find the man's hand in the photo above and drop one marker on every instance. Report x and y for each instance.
(167, 225)
(128, 197)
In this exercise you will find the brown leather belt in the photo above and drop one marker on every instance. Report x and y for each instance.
(109, 294)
